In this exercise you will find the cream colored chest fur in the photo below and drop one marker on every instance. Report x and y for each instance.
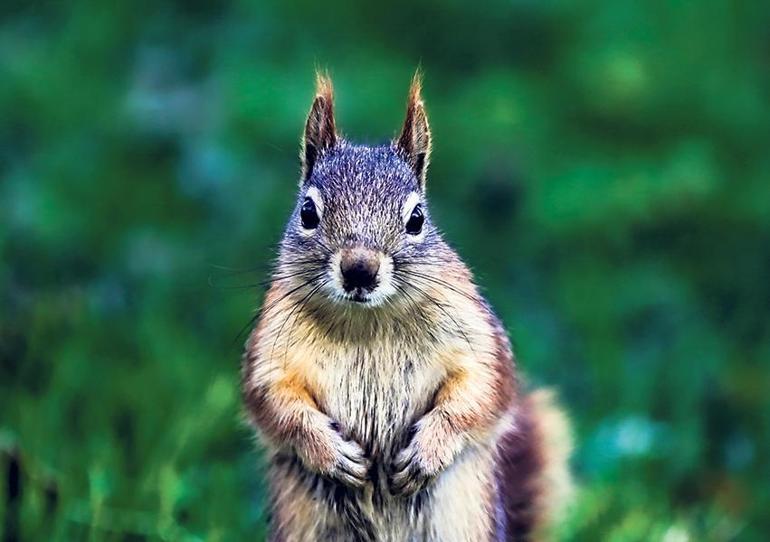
(374, 389)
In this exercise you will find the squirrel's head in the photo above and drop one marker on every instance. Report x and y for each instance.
(361, 233)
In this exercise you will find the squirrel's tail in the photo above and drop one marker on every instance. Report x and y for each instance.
(533, 473)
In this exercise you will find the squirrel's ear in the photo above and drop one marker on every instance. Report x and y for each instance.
(414, 141)
(320, 131)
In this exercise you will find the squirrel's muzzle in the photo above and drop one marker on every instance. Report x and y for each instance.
(359, 267)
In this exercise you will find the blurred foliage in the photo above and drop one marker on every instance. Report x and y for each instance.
(603, 166)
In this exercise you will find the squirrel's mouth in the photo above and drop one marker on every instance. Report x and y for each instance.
(360, 277)
(360, 296)
(357, 296)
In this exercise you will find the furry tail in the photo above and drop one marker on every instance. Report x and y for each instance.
(534, 479)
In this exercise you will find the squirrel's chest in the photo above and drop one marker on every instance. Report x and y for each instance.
(376, 392)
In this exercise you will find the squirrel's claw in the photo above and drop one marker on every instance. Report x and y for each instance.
(407, 475)
(429, 451)
(334, 457)
(352, 467)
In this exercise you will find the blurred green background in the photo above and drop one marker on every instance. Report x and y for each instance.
(603, 166)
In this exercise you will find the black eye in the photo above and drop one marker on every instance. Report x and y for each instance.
(309, 215)
(416, 219)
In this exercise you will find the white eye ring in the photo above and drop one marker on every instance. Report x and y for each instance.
(411, 201)
(315, 195)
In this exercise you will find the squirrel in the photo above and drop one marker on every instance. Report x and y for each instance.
(382, 382)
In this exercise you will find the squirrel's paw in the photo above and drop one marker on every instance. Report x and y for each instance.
(407, 475)
(352, 466)
(335, 457)
(414, 467)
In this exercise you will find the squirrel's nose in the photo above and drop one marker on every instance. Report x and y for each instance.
(359, 269)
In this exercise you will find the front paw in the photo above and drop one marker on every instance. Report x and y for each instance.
(351, 466)
(422, 460)
(408, 474)
(331, 455)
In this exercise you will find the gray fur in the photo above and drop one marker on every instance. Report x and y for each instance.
(377, 369)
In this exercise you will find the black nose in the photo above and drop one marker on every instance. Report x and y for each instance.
(359, 271)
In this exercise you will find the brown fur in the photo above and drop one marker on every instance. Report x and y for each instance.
(415, 138)
(401, 420)
(320, 128)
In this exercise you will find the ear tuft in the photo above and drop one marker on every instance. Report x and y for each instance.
(415, 140)
(320, 130)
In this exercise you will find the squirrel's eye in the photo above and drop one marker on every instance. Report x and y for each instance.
(416, 219)
(309, 215)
